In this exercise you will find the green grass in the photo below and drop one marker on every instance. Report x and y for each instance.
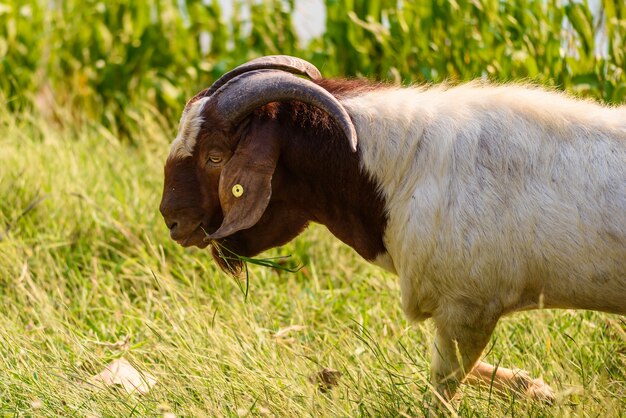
(85, 260)
(106, 58)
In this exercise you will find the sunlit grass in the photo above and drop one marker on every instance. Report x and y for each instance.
(106, 58)
(85, 261)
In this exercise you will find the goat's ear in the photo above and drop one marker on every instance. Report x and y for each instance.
(246, 181)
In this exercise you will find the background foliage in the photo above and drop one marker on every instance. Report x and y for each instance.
(109, 58)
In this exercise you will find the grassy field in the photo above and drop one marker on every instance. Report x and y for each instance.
(106, 59)
(89, 275)
(86, 262)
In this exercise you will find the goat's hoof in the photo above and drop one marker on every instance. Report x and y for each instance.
(535, 389)
(538, 390)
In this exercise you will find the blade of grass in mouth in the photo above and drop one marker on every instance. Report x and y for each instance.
(264, 262)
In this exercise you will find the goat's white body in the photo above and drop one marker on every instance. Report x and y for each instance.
(505, 198)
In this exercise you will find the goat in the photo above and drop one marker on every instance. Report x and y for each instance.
(484, 200)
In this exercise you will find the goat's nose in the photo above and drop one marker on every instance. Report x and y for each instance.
(176, 232)
(174, 227)
(182, 222)
(172, 222)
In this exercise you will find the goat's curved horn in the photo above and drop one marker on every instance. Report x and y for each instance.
(240, 96)
(286, 63)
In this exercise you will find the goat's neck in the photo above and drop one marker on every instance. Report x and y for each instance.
(324, 180)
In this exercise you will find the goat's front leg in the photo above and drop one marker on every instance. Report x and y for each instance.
(459, 341)
(517, 380)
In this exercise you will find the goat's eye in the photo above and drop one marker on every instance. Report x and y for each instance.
(214, 159)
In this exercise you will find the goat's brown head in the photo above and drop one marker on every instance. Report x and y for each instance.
(218, 176)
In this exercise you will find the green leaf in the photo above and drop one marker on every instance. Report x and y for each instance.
(582, 21)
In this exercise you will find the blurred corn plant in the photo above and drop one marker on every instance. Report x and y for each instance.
(546, 41)
(117, 61)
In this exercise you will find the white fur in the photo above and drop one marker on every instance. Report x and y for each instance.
(188, 129)
(506, 195)
(384, 261)
(498, 199)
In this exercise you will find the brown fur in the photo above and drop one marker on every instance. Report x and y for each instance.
(317, 179)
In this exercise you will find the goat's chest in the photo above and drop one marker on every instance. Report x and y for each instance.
(444, 256)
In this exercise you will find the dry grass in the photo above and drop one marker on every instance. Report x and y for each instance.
(86, 262)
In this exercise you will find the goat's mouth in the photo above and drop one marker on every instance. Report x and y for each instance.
(194, 238)
(226, 253)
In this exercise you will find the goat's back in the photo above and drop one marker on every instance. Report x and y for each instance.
(502, 192)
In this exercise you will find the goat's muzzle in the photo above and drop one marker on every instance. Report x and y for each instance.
(185, 226)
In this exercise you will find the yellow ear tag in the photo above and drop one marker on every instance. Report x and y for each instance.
(237, 190)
